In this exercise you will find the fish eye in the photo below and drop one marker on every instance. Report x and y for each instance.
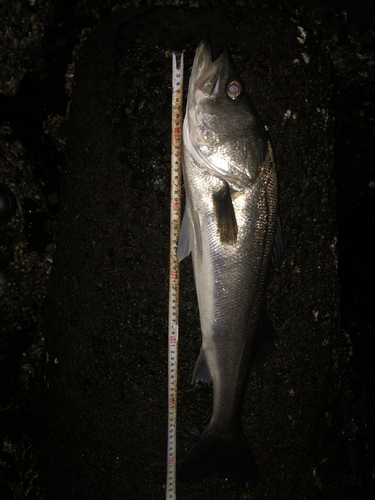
(234, 89)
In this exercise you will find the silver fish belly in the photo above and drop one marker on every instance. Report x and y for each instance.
(231, 228)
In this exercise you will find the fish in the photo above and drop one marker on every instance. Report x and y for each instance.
(231, 227)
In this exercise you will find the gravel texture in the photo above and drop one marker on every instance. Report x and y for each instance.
(84, 140)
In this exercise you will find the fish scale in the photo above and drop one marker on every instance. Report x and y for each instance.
(229, 226)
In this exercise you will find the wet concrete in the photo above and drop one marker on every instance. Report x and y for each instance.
(105, 317)
(59, 435)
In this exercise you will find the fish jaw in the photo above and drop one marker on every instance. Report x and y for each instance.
(216, 144)
(205, 75)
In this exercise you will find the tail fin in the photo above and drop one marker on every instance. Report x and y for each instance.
(226, 455)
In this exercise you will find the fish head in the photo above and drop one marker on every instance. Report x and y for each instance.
(222, 130)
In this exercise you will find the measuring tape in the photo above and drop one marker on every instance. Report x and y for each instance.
(174, 268)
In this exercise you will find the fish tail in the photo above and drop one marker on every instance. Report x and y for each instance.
(226, 455)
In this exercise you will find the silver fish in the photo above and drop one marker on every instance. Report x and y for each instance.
(232, 230)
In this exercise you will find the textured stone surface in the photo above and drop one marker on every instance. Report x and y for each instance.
(106, 312)
(22, 25)
(119, 141)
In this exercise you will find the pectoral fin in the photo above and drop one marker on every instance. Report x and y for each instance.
(225, 217)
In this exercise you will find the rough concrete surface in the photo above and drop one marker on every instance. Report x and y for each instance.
(84, 371)
(107, 344)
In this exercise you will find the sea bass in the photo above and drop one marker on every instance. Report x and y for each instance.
(232, 230)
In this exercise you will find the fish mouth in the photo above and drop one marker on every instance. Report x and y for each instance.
(205, 74)
(204, 80)
(205, 83)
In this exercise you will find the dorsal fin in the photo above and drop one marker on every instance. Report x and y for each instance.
(277, 255)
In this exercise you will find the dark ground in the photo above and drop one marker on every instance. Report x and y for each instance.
(85, 369)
